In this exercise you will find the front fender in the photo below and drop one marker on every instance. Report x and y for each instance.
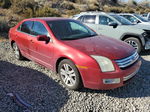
(142, 39)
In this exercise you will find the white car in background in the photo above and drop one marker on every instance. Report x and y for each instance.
(146, 16)
(115, 26)
(138, 22)
(135, 18)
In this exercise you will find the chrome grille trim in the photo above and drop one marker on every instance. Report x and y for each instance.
(123, 63)
(130, 76)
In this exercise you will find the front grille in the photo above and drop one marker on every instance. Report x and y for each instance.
(125, 62)
(146, 35)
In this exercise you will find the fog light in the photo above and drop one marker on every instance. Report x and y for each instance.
(111, 81)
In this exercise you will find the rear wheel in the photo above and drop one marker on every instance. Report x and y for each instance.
(135, 43)
(17, 52)
(69, 74)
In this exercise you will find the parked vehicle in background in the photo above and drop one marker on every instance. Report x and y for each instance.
(115, 26)
(146, 16)
(141, 25)
(75, 52)
(135, 18)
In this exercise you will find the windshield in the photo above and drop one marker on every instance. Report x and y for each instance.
(70, 30)
(122, 20)
(141, 18)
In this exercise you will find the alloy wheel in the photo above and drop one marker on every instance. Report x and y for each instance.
(68, 75)
(133, 44)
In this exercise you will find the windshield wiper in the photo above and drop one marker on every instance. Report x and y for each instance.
(69, 38)
(92, 35)
(81, 37)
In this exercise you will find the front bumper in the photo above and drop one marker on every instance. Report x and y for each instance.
(94, 79)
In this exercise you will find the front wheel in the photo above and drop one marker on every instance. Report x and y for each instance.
(69, 74)
(135, 43)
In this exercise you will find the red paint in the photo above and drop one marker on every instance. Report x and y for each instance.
(78, 51)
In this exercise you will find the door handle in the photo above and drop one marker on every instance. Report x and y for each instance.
(16, 35)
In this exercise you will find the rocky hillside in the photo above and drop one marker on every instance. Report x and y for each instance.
(12, 11)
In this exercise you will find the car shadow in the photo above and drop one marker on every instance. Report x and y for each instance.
(139, 86)
(36, 88)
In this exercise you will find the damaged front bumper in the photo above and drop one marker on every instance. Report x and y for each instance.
(147, 45)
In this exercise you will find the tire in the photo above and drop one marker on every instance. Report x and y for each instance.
(135, 43)
(71, 80)
(17, 52)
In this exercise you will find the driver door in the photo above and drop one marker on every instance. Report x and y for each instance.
(104, 29)
(41, 51)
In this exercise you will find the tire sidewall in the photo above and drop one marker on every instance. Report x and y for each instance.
(136, 41)
(78, 83)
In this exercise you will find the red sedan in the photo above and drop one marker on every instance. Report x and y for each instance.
(75, 52)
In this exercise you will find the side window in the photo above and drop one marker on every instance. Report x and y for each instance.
(89, 19)
(26, 27)
(80, 18)
(104, 20)
(39, 29)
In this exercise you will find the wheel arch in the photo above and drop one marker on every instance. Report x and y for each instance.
(135, 36)
(57, 63)
(11, 43)
(62, 58)
(59, 60)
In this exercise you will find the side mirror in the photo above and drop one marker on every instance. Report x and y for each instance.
(113, 24)
(43, 38)
(136, 22)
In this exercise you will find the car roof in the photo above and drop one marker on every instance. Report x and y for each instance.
(95, 13)
(47, 19)
(126, 13)
(92, 13)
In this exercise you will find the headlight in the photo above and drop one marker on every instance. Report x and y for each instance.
(105, 64)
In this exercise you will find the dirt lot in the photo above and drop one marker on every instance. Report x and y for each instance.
(44, 92)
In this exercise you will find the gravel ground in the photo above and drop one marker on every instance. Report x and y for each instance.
(42, 89)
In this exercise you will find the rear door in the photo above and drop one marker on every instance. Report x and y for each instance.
(23, 37)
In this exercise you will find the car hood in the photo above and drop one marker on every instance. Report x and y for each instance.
(143, 26)
(145, 23)
(102, 46)
(132, 29)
